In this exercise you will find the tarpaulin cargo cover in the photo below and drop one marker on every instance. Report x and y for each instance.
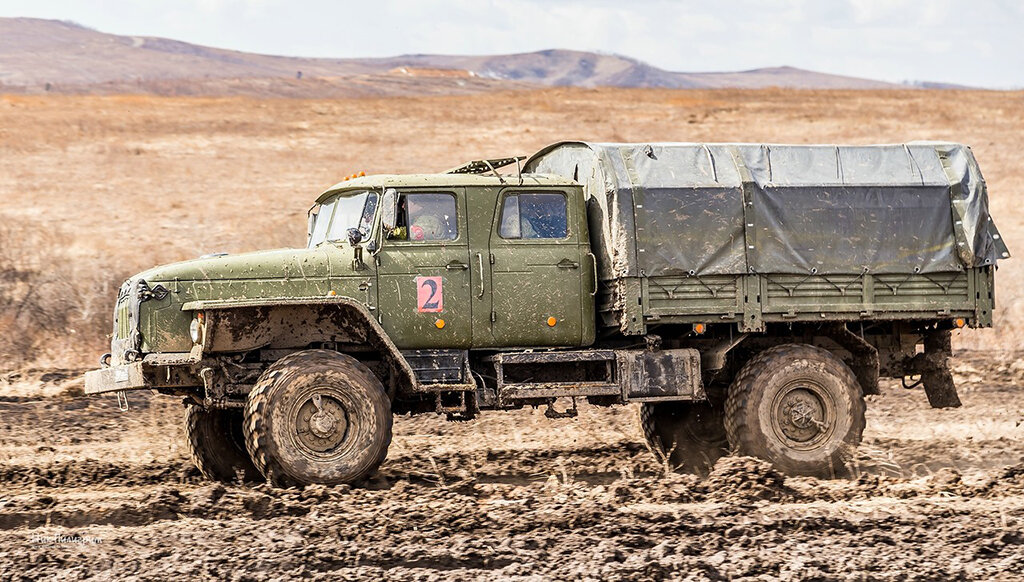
(717, 209)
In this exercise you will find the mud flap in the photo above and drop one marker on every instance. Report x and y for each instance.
(865, 358)
(935, 374)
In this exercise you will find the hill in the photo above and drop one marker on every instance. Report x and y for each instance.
(47, 55)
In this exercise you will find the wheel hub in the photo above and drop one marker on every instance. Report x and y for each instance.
(321, 423)
(801, 415)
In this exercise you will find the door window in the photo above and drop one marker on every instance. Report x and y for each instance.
(426, 217)
(534, 216)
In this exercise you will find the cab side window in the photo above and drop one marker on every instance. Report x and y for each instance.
(426, 217)
(534, 216)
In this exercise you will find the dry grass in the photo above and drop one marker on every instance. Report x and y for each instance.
(121, 183)
(50, 304)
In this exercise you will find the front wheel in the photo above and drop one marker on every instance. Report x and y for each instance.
(317, 416)
(217, 444)
(798, 407)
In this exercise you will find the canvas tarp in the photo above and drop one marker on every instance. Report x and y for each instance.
(706, 209)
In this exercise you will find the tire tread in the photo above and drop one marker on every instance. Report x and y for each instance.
(257, 440)
(742, 437)
(210, 452)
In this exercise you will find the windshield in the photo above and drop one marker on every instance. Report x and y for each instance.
(338, 215)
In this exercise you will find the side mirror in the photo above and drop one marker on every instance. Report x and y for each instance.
(354, 236)
(310, 220)
(389, 212)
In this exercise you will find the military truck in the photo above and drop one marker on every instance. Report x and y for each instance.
(746, 296)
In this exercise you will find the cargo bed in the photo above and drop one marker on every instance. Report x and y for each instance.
(753, 234)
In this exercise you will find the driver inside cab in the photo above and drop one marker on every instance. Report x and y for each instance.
(425, 217)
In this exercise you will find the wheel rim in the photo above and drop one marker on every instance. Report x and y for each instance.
(321, 423)
(803, 415)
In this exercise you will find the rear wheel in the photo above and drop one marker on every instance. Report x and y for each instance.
(688, 436)
(217, 445)
(799, 407)
(317, 416)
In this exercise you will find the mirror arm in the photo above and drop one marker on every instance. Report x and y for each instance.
(309, 224)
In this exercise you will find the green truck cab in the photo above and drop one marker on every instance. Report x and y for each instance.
(746, 296)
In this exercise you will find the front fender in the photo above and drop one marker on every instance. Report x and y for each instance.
(239, 325)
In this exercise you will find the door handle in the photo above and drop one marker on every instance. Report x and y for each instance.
(456, 266)
(480, 261)
(567, 264)
(594, 260)
(365, 286)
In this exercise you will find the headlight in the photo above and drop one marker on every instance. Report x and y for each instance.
(195, 329)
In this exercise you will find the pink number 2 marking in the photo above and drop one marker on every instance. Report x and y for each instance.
(429, 295)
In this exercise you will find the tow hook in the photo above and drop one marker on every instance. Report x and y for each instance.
(122, 400)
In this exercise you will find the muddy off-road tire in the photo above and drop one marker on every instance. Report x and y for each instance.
(798, 407)
(317, 416)
(687, 436)
(217, 445)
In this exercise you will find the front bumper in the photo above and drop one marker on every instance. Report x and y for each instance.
(116, 378)
(155, 371)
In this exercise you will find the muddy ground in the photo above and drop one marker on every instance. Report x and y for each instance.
(91, 492)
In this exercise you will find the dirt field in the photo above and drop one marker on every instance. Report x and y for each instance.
(93, 189)
(92, 492)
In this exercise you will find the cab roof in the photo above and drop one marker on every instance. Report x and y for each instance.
(381, 181)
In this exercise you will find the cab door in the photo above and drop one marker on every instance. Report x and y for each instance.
(423, 273)
(536, 270)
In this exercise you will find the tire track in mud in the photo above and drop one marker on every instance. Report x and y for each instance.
(594, 465)
(90, 472)
(560, 500)
(737, 481)
(744, 520)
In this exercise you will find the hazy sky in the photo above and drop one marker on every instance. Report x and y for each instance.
(972, 42)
